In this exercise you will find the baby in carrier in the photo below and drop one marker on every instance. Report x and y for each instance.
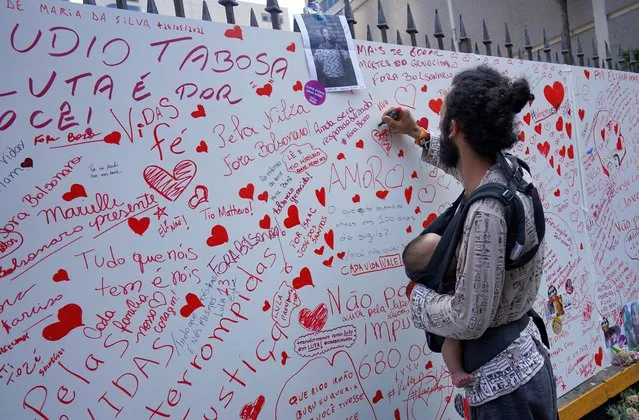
(417, 255)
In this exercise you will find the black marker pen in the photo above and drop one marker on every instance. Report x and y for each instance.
(393, 114)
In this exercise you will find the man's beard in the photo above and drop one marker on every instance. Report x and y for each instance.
(448, 153)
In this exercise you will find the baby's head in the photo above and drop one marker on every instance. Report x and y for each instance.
(419, 252)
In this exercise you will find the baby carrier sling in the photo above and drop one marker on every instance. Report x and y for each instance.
(449, 225)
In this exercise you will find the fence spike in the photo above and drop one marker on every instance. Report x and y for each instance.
(519, 53)
(206, 15)
(527, 44)
(498, 51)
(452, 45)
(595, 53)
(487, 42)
(348, 14)
(608, 55)
(178, 5)
(381, 21)
(538, 55)
(547, 48)
(151, 7)
(121, 4)
(273, 8)
(621, 59)
(477, 48)
(369, 35)
(228, 7)
(89, 2)
(580, 52)
(426, 41)
(439, 34)
(399, 38)
(589, 62)
(465, 45)
(556, 57)
(411, 30)
(254, 23)
(616, 66)
(508, 44)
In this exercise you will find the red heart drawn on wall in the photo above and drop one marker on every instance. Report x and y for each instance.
(341, 255)
(617, 128)
(170, 186)
(202, 147)
(405, 96)
(234, 32)
(554, 94)
(199, 112)
(559, 125)
(414, 175)
(314, 320)
(265, 90)
(400, 153)
(192, 303)
(266, 306)
(219, 236)
(418, 210)
(263, 197)
(250, 411)
(436, 105)
(569, 130)
(359, 144)
(562, 151)
(293, 218)
(285, 357)
(527, 151)
(381, 194)
(544, 148)
(397, 414)
(430, 219)
(571, 152)
(587, 73)
(139, 226)
(356, 198)
(557, 192)
(61, 275)
(304, 279)
(329, 238)
(113, 137)
(423, 123)
(619, 144)
(552, 161)
(291, 47)
(378, 396)
(429, 365)
(297, 86)
(424, 88)
(599, 356)
(27, 163)
(328, 262)
(409, 229)
(265, 223)
(538, 129)
(408, 194)
(582, 114)
(559, 170)
(340, 156)
(527, 118)
(76, 191)
(319, 251)
(603, 134)
(69, 318)
(200, 195)
(247, 192)
(320, 194)
(522, 136)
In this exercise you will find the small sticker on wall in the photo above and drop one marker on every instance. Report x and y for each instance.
(314, 92)
(557, 325)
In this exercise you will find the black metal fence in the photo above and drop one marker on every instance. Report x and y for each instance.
(628, 63)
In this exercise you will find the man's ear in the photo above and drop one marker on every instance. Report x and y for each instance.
(454, 129)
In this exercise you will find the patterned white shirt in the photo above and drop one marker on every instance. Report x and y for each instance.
(486, 295)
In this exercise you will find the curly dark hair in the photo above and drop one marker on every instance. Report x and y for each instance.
(484, 103)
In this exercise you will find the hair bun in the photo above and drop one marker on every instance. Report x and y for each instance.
(520, 95)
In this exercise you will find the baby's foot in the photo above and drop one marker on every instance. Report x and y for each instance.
(462, 379)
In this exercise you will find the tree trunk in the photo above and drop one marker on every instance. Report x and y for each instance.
(565, 29)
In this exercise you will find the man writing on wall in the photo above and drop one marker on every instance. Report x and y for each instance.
(477, 122)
